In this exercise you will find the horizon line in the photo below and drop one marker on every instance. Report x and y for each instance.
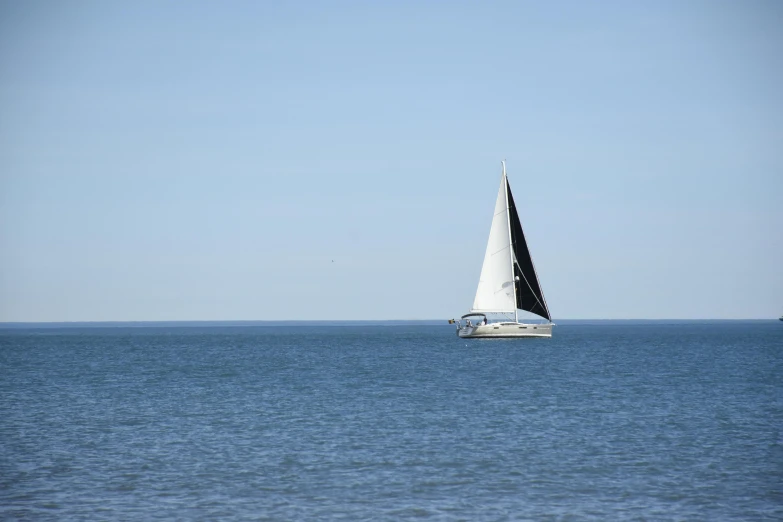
(269, 322)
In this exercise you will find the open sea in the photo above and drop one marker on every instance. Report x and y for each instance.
(605, 421)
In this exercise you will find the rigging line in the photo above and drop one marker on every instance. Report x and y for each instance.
(528, 285)
(535, 273)
(499, 251)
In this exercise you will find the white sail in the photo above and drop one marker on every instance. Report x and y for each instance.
(495, 291)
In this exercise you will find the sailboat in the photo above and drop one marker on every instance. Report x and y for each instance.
(508, 281)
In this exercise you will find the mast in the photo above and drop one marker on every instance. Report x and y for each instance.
(510, 244)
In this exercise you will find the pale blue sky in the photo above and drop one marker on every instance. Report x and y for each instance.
(208, 161)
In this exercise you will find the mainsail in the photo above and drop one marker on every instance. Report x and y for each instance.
(529, 295)
(508, 278)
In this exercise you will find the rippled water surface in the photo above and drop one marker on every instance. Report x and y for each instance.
(603, 421)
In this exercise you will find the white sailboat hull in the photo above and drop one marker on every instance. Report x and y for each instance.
(496, 330)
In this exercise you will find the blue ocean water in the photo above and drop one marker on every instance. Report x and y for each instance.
(604, 421)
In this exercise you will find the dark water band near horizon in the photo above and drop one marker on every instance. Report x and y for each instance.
(628, 420)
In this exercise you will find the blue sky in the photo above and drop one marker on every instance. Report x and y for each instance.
(340, 160)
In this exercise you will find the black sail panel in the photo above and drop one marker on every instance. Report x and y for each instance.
(529, 294)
